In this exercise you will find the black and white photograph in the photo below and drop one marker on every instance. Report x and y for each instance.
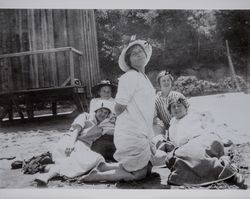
(125, 99)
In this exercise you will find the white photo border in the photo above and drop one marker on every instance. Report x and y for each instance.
(123, 4)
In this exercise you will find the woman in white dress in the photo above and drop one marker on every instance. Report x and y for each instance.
(135, 103)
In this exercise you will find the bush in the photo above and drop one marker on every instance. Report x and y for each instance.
(191, 86)
(228, 84)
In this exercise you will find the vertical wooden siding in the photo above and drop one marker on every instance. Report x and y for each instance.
(37, 29)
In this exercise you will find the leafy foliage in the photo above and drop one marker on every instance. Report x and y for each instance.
(192, 86)
(181, 39)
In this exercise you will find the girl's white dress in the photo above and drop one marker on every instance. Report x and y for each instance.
(199, 157)
(133, 130)
(82, 159)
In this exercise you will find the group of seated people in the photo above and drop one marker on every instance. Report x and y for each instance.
(185, 141)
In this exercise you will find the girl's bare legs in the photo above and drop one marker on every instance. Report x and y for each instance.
(115, 174)
(104, 166)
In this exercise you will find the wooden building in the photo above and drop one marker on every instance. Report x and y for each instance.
(46, 49)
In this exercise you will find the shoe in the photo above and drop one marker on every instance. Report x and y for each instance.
(239, 181)
(40, 182)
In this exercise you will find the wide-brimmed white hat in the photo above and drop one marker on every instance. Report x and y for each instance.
(104, 104)
(144, 44)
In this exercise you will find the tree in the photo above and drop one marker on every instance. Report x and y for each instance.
(233, 25)
(181, 39)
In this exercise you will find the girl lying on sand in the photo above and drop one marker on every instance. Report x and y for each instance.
(72, 155)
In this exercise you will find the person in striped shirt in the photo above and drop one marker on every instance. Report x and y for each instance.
(162, 116)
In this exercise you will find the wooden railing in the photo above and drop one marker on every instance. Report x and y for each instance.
(71, 51)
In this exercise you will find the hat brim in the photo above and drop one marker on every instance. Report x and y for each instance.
(95, 89)
(122, 63)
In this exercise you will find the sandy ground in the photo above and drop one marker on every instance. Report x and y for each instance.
(24, 140)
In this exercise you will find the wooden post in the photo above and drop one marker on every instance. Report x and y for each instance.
(17, 108)
(232, 68)
(10, 112)
(5, 112)
(29, 107)
(71, 65)
(78, 102)
(54, 108)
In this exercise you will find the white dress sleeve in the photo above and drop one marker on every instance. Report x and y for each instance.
(126, 87)
(81, 119)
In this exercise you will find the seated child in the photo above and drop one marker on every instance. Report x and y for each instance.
(196, 156)
(104, 90)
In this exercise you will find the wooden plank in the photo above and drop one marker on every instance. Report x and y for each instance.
(52, 58)
(39, 44)
(20, 35)
(66, 82)
(45, 45)
(1, 50)
(72, 70)
(15, 47)
(232, 67)
(8, 48)
(94, 51)
(90, 49)
(51, 90)
(77, 42)
(24, 40)
(87, 80)
(83, 67)
(36, 52)
(32, 46)
(5, 76)
(61, 40)
(95, 44)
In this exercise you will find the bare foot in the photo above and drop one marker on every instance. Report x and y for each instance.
(47, 168)
(90, 177)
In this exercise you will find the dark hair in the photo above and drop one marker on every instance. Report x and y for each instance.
(128, 53)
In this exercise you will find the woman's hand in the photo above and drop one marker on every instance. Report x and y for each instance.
(74, 131)
(68, 151)
(112, 118)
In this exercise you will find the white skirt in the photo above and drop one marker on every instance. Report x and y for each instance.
(133, 151)
(81, 160)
